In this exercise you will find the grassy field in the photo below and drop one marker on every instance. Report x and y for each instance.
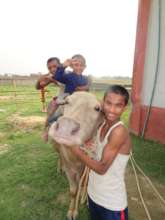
(113, 81)
(30, 187)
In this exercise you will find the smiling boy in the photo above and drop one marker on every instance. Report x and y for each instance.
(107, 195)
(71, 80)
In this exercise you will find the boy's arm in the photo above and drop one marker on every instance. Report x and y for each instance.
(44, 81)
(60, 74)
(110, 152)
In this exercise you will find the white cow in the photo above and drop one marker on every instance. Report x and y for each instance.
(81, 117)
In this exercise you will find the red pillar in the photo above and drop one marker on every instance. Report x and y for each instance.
(138, 67)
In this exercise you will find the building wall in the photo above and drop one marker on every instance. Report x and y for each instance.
(143, 73)
(151, 58)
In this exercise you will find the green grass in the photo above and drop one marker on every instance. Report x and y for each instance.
(30, 187)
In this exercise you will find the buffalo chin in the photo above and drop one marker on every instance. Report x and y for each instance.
(68, 142)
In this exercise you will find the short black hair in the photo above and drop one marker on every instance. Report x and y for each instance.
(118, 89)
(53, 59)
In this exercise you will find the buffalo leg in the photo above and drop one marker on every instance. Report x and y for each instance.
(73, 190)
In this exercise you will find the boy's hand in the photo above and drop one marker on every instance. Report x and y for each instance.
(89, 144)
(44, 81)
(67, 63)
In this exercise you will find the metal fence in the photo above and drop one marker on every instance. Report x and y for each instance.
(25, 81)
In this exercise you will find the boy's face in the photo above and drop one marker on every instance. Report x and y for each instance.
(52, 66)
(78, 66)
(113, 106)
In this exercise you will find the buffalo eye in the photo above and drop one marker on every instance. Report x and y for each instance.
(66, 102)
(97, 108)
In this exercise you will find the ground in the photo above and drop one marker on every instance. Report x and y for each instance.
(30, 186)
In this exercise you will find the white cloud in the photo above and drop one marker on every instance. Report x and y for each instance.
(103, 31)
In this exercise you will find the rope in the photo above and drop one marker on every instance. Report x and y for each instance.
(85, 173)
(43, 99)
(84, 192)
(139, 190)
(43, 95)
(149, 181)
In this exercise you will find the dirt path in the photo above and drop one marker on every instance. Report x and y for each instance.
(4, 98)
(26, 121)
(136, 210)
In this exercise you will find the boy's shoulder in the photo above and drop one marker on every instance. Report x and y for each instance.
(120, 131)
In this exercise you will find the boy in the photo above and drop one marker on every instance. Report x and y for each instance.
(52, 64)
(73, 81)
(107, 197)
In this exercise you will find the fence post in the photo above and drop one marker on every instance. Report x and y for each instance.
(15, 91)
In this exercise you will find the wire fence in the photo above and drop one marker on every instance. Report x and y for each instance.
(96, 85)
(22, 90)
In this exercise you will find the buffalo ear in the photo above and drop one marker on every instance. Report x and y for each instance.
(101, 106)
(102, 116)
(62, 100)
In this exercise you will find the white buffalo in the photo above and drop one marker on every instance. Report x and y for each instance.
(81, 117)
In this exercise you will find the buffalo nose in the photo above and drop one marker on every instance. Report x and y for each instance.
(75, 128)
(57, 126)
(67, 126)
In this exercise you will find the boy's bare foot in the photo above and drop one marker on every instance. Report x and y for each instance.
(45, 136)
(44, 110)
